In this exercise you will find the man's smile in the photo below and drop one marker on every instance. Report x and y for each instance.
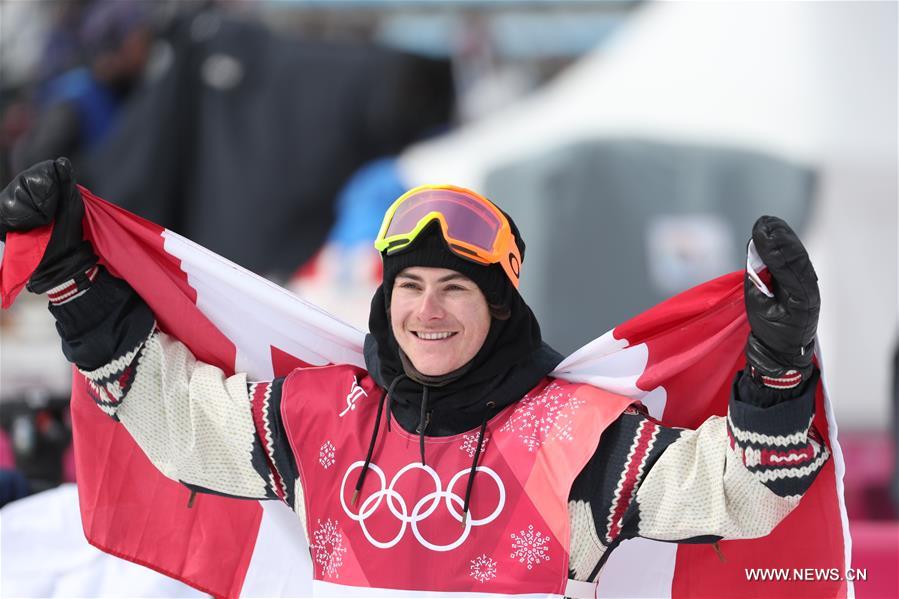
(433, 335)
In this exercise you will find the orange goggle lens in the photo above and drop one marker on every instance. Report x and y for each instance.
(473, 227)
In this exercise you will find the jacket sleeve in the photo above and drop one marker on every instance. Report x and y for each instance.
(214, 433)
(735, 477)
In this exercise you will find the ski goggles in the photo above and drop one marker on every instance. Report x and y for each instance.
(474, 229)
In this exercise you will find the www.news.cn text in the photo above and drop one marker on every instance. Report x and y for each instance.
(806, 574)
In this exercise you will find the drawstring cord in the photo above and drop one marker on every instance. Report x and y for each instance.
(474, 463)
(422, 426)
(718, 552)
(374, 438)
(423, 422)
(389, 395)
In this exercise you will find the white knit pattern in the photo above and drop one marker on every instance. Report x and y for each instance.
(192, 422)
(586, 548)
(109, 410)
(61, 286)
(107, 396)
(67, 291)
(793, 457)
(685, 494)
(797, 438)
(801, 472)
(68, 297)
(752, 456)
(117, 366)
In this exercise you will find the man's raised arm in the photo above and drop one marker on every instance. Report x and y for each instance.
(734, 477)
(212, 432)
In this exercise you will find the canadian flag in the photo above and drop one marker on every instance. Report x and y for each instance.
(678, 358)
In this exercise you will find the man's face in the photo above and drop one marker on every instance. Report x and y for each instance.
(439, 318)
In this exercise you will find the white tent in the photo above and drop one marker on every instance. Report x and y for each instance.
(814, 83)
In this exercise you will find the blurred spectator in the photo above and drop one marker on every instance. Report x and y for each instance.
(7, 456)
(60, 49)
(39, 433)
(77, 107)
(242, 138)
(13, 485)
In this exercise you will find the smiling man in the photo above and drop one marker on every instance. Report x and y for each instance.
(471, 480)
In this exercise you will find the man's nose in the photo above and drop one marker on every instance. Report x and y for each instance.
(430, 307)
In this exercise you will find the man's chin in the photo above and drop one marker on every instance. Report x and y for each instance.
(428, 366)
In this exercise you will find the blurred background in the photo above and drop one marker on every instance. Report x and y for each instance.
(634, 143)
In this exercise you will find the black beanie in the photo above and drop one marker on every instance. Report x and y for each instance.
(430, 249)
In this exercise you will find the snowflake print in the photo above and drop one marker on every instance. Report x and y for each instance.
(470, 443)
(328, 548)
(530, 547)
(483, 568)
(547, 416)
(326, 455)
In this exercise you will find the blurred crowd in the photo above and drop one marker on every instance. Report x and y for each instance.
(67, 69)
(276, 134)
(83, 69)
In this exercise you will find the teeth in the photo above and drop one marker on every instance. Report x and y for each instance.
(433, 336)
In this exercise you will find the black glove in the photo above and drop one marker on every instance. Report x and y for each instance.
(37, 196)
(783, 326)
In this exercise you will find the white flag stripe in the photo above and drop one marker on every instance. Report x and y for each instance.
(609, 363)
(281, 565)
(754, 265)
(266, 315)
(639, 568)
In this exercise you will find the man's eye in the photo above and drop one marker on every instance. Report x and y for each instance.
(456, 288)
(408, 285)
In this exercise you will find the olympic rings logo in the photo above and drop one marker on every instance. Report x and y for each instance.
(425, 506)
